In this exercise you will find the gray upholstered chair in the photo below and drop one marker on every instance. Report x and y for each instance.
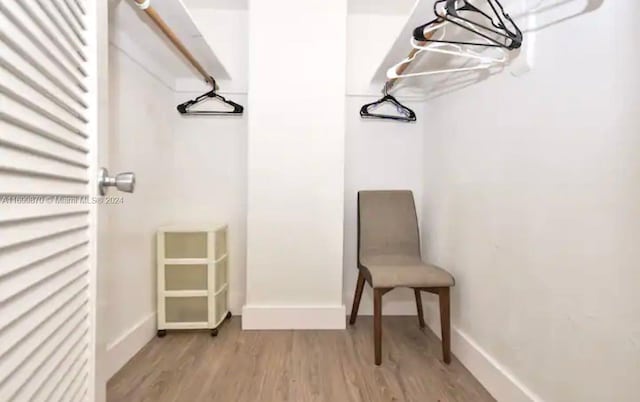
(389, 257)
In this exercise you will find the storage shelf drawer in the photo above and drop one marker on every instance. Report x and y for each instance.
(185, 245)
(186, 309)
(193, 277)
(186, 277)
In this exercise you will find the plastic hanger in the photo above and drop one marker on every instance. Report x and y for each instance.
(457, 50)
(451, 13)
(485, 62)
(406, 114)
(183, 108)
(392, 72)
(501, 27)
(453, 49)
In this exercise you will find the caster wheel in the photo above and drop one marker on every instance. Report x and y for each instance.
(228, 315)
(162, 333)
(214, 332)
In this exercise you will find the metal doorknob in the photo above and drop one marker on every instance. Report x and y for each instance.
(123, 181)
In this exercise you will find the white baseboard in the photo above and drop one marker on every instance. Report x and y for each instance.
(293, 317)
(497, 379)
(236, 301)
(120, 351)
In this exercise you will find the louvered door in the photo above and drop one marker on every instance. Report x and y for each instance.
(48, 148)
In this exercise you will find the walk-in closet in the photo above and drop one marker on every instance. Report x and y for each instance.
(320, 200)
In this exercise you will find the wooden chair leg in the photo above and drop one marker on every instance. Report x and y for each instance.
(419, 307)
(377, 325)
(445, 324)
(356, 298)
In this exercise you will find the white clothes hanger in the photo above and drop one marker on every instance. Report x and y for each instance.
(392, 72)
(485, 62)
(457, 50)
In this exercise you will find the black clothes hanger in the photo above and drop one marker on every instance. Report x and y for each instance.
(406, 114)
(509, 32)
(183, 108)
(502, 28)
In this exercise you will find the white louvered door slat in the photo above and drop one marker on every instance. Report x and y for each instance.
(32, 141)
(49, 8)
(81, 6)
(33, 184)
(28, 231)
(61, 380)
(17, 213)
(70, 20)
(19, 257)
(42, 313)
(31, 276)
(67, 76)
(29, 22)
(31, 78)
(20, 92)
(26, 160)
(76, 12)
(38, 17)
(49, 101)
(27, 117)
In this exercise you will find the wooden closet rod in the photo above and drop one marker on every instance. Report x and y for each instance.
(151, 12)
(403, 67)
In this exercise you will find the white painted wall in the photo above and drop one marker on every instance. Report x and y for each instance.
(141, 139)
(209, 180)
(369, 37)
(227, 31)
(531, 199)
(380, 155)
(189, 169)
(296, 164)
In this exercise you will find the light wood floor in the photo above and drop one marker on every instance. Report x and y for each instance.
(295, 366)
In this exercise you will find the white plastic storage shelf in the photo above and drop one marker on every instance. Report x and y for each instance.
(193, 284)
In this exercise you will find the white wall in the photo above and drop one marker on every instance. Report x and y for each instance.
(188, 169)
(531, 199)
(296, 164)
(369, 37)
(208, 180)
(227, 31)
(371, 29)
(141, 137)
(380, 154)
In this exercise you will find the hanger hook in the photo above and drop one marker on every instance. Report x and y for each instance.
(385, 89)
(213, 82)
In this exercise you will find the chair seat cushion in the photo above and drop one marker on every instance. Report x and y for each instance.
(388, 271)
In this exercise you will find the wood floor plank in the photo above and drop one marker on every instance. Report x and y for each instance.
(296, 366)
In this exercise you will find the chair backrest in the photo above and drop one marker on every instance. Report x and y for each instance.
(387, 224)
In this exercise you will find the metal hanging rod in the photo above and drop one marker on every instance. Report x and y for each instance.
(153, 14)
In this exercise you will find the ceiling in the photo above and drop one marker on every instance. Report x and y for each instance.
(129, 26)
(382, 7)
(218, 4)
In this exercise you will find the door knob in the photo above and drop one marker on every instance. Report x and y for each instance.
(123, 181)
